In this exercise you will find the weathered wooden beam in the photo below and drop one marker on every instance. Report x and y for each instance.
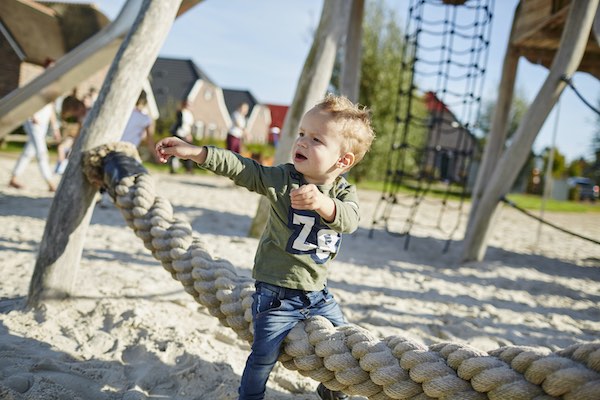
(535, 17)
(311, 88)
(70, 213)
(79, 64)
(350, 79)
(568, 57)
(494, 145)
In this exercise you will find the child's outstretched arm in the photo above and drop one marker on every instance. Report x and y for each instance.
(175, 147)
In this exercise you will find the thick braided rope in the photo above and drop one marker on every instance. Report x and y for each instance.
(350, 358)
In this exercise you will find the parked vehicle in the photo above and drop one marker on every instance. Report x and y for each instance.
(585, 188)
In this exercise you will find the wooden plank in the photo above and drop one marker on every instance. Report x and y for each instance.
(311, 87)
(71, 210)
(535, 19)
(497, 137)
(350, 79)
(573, 43)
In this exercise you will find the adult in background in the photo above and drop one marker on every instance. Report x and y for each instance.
(139, 128)
(36, 128)
(237, 132)
(90, 97)
(183, 130)
(72, 114)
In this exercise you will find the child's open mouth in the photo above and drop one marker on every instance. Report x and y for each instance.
(299, 157)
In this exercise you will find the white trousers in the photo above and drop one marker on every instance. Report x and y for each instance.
(36, 146)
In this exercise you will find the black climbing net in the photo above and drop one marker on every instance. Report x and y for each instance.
(442, 73)
(585, 101)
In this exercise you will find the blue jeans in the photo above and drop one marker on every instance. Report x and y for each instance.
(276, 310)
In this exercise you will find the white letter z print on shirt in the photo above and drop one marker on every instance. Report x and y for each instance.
(312, 237)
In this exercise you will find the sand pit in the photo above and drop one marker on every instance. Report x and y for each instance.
(131, 332)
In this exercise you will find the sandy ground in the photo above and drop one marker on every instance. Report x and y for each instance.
(130, 331)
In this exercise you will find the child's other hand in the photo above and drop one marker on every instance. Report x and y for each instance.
(175, 147)
(307, 197)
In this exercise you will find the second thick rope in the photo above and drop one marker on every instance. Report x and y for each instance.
(347, 358)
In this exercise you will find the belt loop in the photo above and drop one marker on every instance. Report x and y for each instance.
(281, 294)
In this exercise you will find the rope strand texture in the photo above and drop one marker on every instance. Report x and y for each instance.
(348, 358)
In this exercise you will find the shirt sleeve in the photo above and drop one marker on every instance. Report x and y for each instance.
(244, 171)
(346, 211)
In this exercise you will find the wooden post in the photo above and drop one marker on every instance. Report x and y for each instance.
(350, 79)
(568, 57)
(596, 26)
(74, 67)
(311, 87)
(70, 212)
(497, 137)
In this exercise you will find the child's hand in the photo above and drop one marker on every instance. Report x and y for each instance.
(307, 197)
(173, 146)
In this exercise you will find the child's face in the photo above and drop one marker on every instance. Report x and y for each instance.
(317, 152)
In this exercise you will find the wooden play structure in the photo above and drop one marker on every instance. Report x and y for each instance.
(347, 358)
(442, 69)
(558, 35)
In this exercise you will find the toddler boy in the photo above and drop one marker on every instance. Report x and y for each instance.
(312, 204)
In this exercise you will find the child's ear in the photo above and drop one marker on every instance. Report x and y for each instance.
(346, 160)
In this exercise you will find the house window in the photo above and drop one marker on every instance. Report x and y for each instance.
(208, 94)
(211, 130)
(198, 130)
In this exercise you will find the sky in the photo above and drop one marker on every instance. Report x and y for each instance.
(261, 46)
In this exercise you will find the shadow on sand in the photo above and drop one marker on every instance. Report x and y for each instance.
(32, 369)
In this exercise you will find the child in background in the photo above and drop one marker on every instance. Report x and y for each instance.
(36, 128)
(312, 204)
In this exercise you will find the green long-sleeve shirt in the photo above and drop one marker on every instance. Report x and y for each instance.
(297, 245)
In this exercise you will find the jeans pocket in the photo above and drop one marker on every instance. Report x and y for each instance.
(327, 298)
(264, 301)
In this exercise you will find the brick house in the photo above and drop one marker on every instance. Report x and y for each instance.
(174, 80)
(259, 115)
(450, 147)
(278, 113)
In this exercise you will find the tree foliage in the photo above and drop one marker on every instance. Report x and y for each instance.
(518, 109)
(381, 72)
(559, 164)
(594, 169)
(596, 137)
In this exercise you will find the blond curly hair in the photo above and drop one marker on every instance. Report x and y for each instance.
(354, 121)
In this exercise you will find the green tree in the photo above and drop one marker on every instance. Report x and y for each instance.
(596, 137)
(559, 163)
(518, 109)
(577, 167)
(594, 169)
(381, 72)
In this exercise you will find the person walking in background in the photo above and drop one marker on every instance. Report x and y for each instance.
(36, 129)
(72, 115)
(237, 132)
(90, 98)
(183, 130)
(140, 126)
(275, 131)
